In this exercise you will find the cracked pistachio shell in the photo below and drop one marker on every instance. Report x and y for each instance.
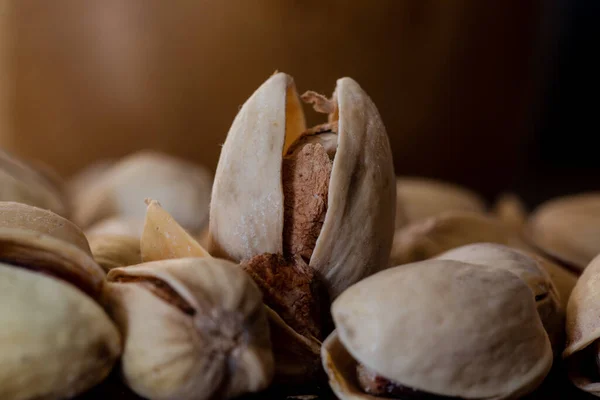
(530, 270)
(568, 229)
(35, 238)
(55, 341)
(583, 330)
(113, 251)
(439, 326)
(429, 237)
(21, 183)
(421, 198)
(246, 217)
(221, 350)
(182, 187)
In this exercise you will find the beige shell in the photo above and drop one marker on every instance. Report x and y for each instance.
(421, 198)
(31, 236)
(55, 341)
(221, 351)
(117, 226)
(568, 228)
(113, 251)
(442, 327)
(583, 330)
(530, 270)
(182, 187)
(22, 183)
(511, 210)
(247, 205)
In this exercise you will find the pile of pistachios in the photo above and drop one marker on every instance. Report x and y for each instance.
(303, 259)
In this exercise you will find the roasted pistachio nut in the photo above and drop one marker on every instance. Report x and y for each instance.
(438, 327)
(530, 270)
(510, 209)
(55, 340)
(182, 187)
(582, 350)
(113, 251)
(21, 183)
(419, 198)
(568, 229)
(282, 189)
(209, 331)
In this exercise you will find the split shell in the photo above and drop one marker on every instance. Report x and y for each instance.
(221, 350)
(424, 325)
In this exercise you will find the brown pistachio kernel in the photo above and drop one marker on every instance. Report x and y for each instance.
(292, 290)
(161, 290)
(375, 384)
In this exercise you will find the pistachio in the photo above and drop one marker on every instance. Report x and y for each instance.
(56, 340)
(184, 189)
(567, 229)
(24, 184)
(112, 251)
(437, 328)
(511, 210)
(418, 198)
(582, 350)
(117, 226)
(209, 332)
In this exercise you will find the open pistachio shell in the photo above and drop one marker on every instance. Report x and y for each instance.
(40, 239)
(22, 183)
(442, 327)
(209, 332)
(583, 330)
(568, 229)
(113, 251)
(55, 341)
(247, 205)
(530, 270)
(423, 197)
(182, 187)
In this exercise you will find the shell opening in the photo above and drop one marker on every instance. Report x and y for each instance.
(160, 289)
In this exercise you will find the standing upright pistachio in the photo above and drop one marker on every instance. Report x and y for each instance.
(325, 194)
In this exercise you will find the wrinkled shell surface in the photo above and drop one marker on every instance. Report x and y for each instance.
(222, 350)
(568, 228)
(21, 183)
(182, 187)
(444, 327)
(420, 198)
(113, 251)
(247, 205)
(55, 341)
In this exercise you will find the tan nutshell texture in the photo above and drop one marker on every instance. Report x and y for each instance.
(210, 335)
(530, 270)
(583, 330)
(182, 187)
(444, 327)
(24, 184)
(568, 228)
(420, 198)
(164, 238)
(280, 188)
(113, 251)
(55, 341)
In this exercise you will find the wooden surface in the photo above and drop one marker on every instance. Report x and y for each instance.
(555, 387)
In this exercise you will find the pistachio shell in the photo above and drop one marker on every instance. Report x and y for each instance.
(424, 197)
(22, 183)
(55, 341)
(247, 205)
(444, 327)
(117, 226)
(182, 187)
(39, 238)
(222, 349)
(568, 228)
(510, 209)
(113, 251)
(530, 271)
(164, 238)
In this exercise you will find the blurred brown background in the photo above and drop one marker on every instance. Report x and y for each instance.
(457, 82)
